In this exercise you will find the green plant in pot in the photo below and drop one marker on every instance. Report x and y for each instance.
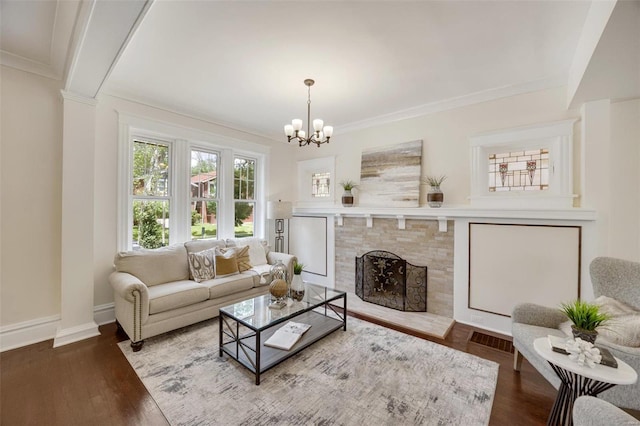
(347, 196)
(435, 197)
(297, 285)
(586, 318)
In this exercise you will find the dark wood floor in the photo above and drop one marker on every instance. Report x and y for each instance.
(91, 383)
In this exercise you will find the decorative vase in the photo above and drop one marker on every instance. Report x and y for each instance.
(347, 198)
(279, 272)
(278, 289)
(586, 335)
(435, 197)
(297, 288)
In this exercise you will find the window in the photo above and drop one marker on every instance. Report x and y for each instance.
(204, 194)
(150, 194)
(525, 167)
(244, 195)
(177, 184)
(320, 185)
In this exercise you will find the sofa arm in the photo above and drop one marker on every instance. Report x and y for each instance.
(541, 316)
(125, 284)
(287, 259)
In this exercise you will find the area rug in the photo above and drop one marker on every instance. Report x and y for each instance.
(367, 375)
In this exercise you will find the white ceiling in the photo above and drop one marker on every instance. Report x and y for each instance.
(243, 63)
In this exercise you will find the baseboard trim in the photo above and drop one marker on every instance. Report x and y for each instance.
(28, 332)
(104, 314)
(40, 329)
(64, 336)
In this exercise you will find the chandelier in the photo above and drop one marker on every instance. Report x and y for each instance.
(321, 133)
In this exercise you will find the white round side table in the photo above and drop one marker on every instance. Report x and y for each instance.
(577, 380)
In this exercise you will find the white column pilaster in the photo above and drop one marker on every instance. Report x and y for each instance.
(78, 136)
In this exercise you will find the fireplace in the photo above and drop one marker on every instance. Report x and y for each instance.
(388, 280)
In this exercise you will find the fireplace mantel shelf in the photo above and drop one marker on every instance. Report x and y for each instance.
(442, 215)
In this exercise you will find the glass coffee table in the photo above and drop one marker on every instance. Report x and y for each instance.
(246, 325)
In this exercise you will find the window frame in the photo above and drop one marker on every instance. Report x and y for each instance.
(182, 140)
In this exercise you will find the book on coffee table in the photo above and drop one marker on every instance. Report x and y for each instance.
(287, 335)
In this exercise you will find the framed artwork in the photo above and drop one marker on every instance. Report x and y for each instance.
(390, 175)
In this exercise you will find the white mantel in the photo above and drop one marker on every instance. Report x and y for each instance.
(442, 215)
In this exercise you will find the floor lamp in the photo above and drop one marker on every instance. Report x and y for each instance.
(279, 210)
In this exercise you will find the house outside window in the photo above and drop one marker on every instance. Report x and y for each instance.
(150, 191)
(204, 194)
(244, 194)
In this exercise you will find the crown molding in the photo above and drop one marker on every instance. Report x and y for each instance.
(21, 63)
(70, 96)
(456, 102)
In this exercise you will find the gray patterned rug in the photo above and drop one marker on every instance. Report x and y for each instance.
(368, 375)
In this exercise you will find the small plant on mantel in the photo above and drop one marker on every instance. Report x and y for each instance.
(348, 185)
(347, 197)
(434, 181)
(435, 197)
(586, 318)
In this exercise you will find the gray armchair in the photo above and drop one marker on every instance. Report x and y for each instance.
(590, 411)
(615, 278)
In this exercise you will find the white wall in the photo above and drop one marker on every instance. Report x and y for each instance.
(31, 111)
(624, 169)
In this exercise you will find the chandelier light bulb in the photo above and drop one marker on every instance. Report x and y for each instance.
(302, 134)
(317, 124)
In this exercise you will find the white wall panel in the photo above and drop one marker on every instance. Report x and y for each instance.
(308, 241)
(511, 264)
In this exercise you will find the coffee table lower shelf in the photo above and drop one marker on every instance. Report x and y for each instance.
(243, 349)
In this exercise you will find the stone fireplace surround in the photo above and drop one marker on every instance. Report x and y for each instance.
(420, 243)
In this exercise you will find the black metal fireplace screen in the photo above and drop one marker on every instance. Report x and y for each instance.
(388, 280)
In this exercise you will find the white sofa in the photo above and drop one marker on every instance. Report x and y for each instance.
(153, 292)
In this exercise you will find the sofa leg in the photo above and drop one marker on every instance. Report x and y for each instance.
(136, 346)
(517, 359)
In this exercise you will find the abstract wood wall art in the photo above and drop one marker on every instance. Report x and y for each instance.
(390, 175)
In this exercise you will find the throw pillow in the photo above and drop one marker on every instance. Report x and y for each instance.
(226, 263)
(257, 250)
(242, 256)
(624, 326)
(202, 265)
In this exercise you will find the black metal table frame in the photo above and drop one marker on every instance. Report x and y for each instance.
(572, 386)
(235, 336)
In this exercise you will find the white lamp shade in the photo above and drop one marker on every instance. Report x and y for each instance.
(279, 210)
(328, 131)
(297, 124)
(302, 134)
(288, 129)
(317, 124)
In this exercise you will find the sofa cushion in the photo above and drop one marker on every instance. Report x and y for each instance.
(226, 263)
(164, 297)
(155, 266)
(202, 265)
(220, 287)
(258, 249)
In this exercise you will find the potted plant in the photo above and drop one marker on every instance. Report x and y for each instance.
(297, 286)
(347, 196)
(435, 197)
(586, 317)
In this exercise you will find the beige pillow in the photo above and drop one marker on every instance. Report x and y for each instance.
(624, 326)
(202, 265)
(226, 263)
(257, 249)
(242, 256)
